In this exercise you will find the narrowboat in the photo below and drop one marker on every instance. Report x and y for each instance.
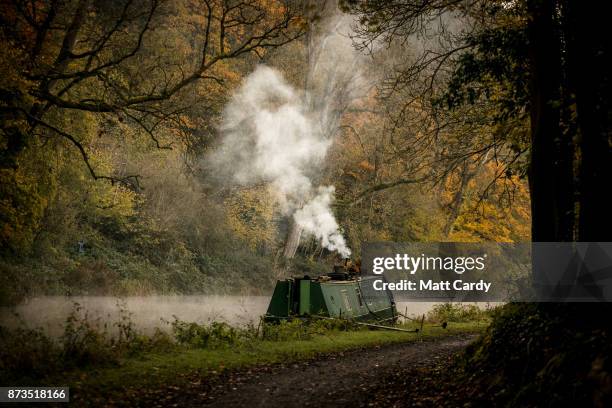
(340, 294)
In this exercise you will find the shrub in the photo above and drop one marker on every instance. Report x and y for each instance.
(26, 353)
(457, 312)
(83, 342)
(298, 329)
(547, 354)
(217, 334)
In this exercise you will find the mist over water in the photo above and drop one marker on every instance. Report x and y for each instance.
(150, 312)
(146, 312)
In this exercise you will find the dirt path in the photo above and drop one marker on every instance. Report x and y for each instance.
(340, 380)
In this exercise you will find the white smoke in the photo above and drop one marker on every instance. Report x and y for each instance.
(273, 134)
(270, 136)
(316, 218)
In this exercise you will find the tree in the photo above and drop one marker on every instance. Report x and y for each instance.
(588, 47)
(66, 63)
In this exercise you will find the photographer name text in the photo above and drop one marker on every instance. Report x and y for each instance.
(431, 285)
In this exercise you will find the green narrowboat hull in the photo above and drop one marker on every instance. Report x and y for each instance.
(353, 298)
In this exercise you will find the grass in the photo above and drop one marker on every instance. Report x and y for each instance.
(154, 370)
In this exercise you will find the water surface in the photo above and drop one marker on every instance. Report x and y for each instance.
(150, 312)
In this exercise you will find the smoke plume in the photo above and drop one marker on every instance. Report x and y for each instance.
(270, 136)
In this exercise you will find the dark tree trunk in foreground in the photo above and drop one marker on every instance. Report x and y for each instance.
(590, 71)
(571, 114)
(546, 209)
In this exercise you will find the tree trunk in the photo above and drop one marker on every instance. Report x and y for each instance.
(590, 72)
(546, 164)
(456, 204)
(293, 240)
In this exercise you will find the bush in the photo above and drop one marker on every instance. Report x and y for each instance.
(544, 355)
(217, 334)
(26, 353)
(298, 329)
(83, 342)
(458, 313)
